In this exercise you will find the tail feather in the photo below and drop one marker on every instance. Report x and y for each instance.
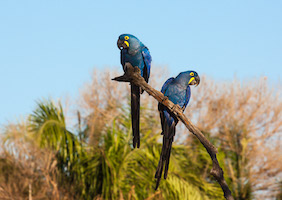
(161, 162)
(159, 171)
(135, 114)
(165, 154)
(167, 160)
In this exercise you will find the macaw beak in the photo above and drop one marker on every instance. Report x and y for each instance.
(194, 81)
(122, 44)
(197, 78)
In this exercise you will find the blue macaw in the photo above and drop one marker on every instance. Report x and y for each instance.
(137, 54)
(178, 91)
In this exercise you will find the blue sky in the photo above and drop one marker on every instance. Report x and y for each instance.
(49, 48)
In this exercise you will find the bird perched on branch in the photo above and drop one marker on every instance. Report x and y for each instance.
(178, 91)
(137, 54)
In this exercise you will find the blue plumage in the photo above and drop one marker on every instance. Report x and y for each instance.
(137, 54)
(178, 91)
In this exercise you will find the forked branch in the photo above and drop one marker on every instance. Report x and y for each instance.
(132, 75)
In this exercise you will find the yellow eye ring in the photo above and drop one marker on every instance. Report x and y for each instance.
(192, 74)
(126, 37)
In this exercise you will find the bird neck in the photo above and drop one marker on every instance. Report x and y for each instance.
(134, 47)
(182, 79)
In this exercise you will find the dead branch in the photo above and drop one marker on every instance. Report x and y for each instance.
(132, 75)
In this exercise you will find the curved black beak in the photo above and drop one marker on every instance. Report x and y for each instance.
(194, 80)
(197, 78)
(122, 44)
(119, 44)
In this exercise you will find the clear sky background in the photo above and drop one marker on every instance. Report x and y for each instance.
(49, 48)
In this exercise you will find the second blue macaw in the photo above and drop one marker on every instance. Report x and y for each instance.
(137, 54)
(178, 91)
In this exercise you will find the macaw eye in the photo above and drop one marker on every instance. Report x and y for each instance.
(192, 74)
(126, 37)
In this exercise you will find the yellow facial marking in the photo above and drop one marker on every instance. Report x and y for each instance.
(126, 37)
(127, 44)
(192, 74)
(191, 79)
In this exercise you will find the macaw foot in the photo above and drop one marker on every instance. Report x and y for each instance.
(128, 68)
(176, 106)
(164, 99)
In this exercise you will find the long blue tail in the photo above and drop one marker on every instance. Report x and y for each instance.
(135, 114)
(168, 134)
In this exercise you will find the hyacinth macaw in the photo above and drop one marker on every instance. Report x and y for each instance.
(178, 91)
(137, 54)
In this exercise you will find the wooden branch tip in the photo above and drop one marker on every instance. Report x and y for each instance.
(133, 75)
(122, 78)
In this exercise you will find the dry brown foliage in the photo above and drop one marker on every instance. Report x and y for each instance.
(27, 171)
(247, 117)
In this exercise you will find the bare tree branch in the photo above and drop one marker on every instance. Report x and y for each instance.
(132, 75)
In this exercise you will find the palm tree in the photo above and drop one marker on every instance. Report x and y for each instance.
(48, 124)
(117, 171)
(112, 169)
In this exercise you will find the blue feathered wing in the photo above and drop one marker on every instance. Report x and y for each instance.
(147, 63)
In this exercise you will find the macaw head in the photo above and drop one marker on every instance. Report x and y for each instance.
(189, 77)
(194, 78)
(128, 41)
